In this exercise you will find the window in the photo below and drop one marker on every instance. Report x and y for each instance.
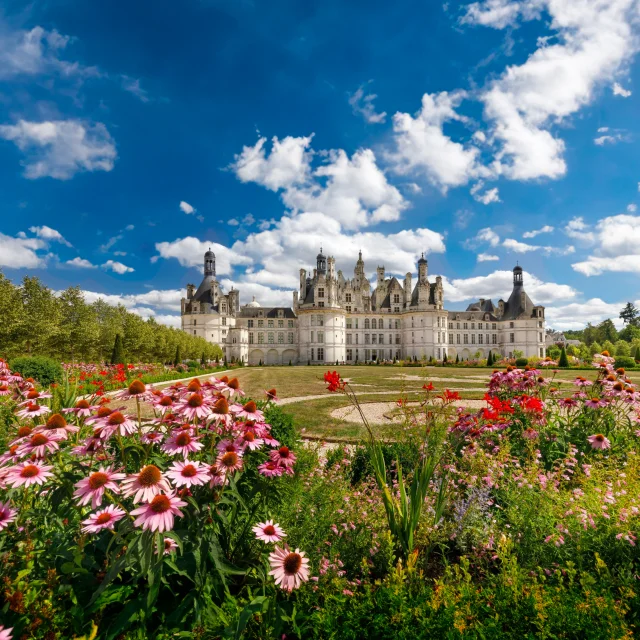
(260, 338)
(511, 325)
(381, 338)
(321, 321)
(540, 337)
(356, 341)
(487, 336)
(465, 325)
(290, 338)
(320, 292)
(321, 354)
(280, 337)
(367, 323)
(356, 322)
(479, 325)
(320, 336)
(396, 298)
(271, 337)
(397, 324)
(194, 332)
(396, 309)
(349, 354)
(224, 322)
(367, 338)
(451, 338)
(466, 338)
(280, 324)
(348, 309)
(374, 324)
(473, 338)
(194, 323)
(251, 338)
(260, 323)
(512, 337)
(374, 339)
(457, 325)
(451, 325)
(290, 324)
(347, 297)
(438, 322)
(494, 339)
(457, 338)
(390, 339)
(250, 324)
(493, 326)
(390, 323)
(473, 325)
(349, 338)
(349, 323)
(312, 340)
(224, 308)
(540, 323)
(321, 304)
(270, 323)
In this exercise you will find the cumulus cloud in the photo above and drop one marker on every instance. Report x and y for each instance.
(522, 247)
(619, 90)
(617, 240)
(362, 105)
(487, 235)
(536, 232)
(59, 149)
(611, 139)
(81, 263)
(575, 314)
(489, 196)
(422, 147)
(487, 257)
(116, 267)
(47, 233)
(578, 229)
(20, 253)
(185, 207)
(593, 41)
(189, 252)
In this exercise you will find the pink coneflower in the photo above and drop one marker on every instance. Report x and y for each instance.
(137, 389)
(271, 395)
(58, 425)
(220, 412)
(91, 446)
(226, 446)
(216, 476)
(269, 531)
(104, 411)
(33, 410)
(92, 489)
(33, 396)
(182, 442)
(233, 388)
(283, 456)
(248, 440)
(159, 513)
(269, 440)
(195, 406)
(530, 434)
(28, 473)
(39, 444)
(103, 519)
(5, 632)
(289, 568)
(145, 484)
(249, 411)
(594, 403)
(162, 403)
(82, 409)
(229, 462)
(7, 514)
(271, 469)
(169, 546)
(117, 422)
(598, 441)
(151, 437)
(188, 473)
(582, 382)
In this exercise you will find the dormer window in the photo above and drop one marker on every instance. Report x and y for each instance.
(320, 292)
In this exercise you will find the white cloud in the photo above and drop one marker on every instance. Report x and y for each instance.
(601, 141)
(499, 284)
(632, 208)
(576, 314)
(522, 247)
(593, 41)
(60, 149)
(266, 296)
(233, 222)
(617, 239)
(462, 218)
(189, 252)
(422, 147)
(489, 196)
(578, 229)
(132, 86)
(532, 234)
(363, 105)
(185, 207)
(248, 220)
(117, 267)
(619, 90)
(288, 164)
(487, 235)
(20, 253)
(81, 263)
(487, 257)
(47, 233)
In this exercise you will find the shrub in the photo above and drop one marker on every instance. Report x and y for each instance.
(626, 362)
(192, 364)
(177, 359)
(44, 370)
(522, 362)
(283, 428)
(563, 361)
(117, 355)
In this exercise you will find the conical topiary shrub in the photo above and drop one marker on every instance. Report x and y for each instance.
(564, 361)
(178, 357)
(117, 355)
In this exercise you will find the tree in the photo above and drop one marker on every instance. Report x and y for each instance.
(629, 314)
(554, 351)
(489, 359)
(607, 345)
(637, 357)
(177, 359)
(203, 361)
(585, 354)
(595, 348)
(622, 348)
(117, 356)
(457, 358)
(607, 331)
(444, 359)
(630, 333)
(564, 361)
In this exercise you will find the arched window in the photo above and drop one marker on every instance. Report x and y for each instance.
(367, 324)
(374, 324)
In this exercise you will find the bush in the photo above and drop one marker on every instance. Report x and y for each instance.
(626, 362)
(522, 362)
(117, 355)
(563, 361)
(43, 370)
(283, 428)
(192, 364)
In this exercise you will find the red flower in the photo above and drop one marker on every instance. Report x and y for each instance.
(428, 387)
(333, 381)
(449, 396)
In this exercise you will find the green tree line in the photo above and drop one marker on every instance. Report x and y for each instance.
(34, 320)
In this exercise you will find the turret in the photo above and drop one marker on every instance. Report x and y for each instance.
(380, 271)
(191, 291)
(517, 276)
(210, 264)
(321, 263)
(303, 283)
(407, 289)
(422, 269)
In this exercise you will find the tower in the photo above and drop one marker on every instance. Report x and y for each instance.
(422, 270)
(517, 276)
(321, 263)
(210, 264)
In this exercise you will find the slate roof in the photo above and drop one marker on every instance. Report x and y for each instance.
(265, 312)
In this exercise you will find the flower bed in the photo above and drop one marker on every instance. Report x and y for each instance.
(516, 520)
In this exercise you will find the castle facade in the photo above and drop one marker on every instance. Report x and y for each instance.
(335, 319)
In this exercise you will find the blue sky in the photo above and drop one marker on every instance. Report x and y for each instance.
(135, 135)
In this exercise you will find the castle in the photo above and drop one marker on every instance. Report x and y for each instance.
(335, 319)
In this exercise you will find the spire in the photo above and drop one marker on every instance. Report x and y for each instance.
(210, 263)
